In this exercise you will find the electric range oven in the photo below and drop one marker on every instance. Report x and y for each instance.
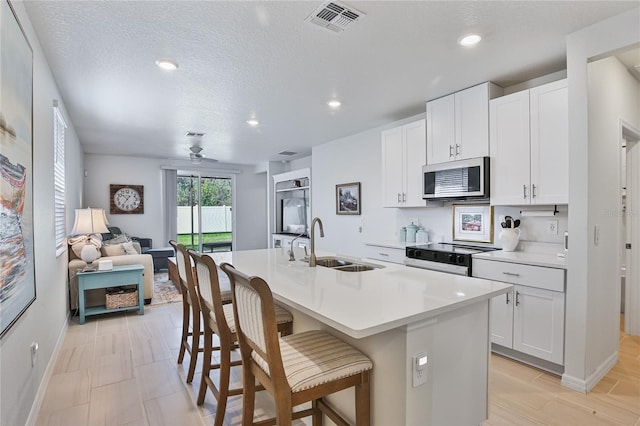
(443, 257)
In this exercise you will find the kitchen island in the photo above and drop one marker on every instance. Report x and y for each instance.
(392, 314)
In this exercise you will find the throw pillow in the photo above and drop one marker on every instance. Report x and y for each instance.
(112, 250)
(129, 249)
(118, 239)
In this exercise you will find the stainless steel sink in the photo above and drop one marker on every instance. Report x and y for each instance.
(344, 265)
(355, 268)
(332, 262)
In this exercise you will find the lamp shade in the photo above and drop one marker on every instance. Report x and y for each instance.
(89, 221)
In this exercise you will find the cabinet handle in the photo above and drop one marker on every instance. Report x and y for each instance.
(404, 197)
(398, 198)
(533, 191)
(524, 191)
(507, 298)
(384, 254)
(511, 274)
(457, 149)
(450, 150)
(517, 298)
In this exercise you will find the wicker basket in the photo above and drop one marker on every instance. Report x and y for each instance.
(121, 297)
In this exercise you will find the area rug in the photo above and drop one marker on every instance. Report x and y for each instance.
(164, 291)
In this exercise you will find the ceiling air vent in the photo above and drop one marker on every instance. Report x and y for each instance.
(194, 134)
(287, 153)
(334, 16)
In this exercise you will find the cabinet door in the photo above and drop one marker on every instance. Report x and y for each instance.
(415, 149)
(550, 143)
(441, 130)
(472, 122)
(538, 328)
(509, 146)
(392, 167)
(502, 320)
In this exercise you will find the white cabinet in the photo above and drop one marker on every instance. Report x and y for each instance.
(530, 318)
(529, 141)
(385, 253)
(458, 124)
(403, 155)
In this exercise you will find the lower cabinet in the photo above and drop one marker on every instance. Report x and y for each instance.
(530, 318)
(385, 253)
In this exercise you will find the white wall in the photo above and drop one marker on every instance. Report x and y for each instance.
(46, 318)
(103, 170)
(587, 354)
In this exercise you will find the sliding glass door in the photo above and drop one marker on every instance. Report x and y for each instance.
(204, 219)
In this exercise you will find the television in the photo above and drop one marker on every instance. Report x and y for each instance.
(294, 216)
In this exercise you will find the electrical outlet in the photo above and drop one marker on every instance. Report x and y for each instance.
(552, 227)
(419, 363)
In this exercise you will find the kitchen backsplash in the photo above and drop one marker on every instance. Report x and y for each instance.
(438, 222)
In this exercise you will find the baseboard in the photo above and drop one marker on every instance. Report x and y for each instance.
(585, 386)
(42, 389)
(533, 361)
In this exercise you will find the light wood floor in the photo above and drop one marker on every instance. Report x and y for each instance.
(121, 369)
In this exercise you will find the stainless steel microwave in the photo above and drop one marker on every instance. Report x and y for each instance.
(456, 179)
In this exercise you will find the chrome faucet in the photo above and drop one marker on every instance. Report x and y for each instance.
(312, 256)
(292, 256)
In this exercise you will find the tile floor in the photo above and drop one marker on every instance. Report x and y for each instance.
(121, 369)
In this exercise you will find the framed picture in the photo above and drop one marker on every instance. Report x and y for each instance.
(473, 223)
(17, 275)
(348, 198)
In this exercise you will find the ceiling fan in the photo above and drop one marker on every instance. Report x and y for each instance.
(197, 157)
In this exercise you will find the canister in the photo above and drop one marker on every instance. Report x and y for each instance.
(402, 235)
(422, 236)
(411, 233)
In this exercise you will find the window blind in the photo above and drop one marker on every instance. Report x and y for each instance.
(59, 126)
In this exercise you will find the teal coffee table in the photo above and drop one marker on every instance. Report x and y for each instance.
(118, 276)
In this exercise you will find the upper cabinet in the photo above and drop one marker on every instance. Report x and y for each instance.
(403, 155)
(530, 146)
(458, 124)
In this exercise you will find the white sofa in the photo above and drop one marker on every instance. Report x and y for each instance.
(97, 297)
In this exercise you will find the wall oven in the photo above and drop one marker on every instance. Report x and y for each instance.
(456, 179)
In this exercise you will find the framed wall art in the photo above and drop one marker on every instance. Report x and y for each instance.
(473, 223)
(348, 198)
(17, 274)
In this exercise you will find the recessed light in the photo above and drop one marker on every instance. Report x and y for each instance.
(470, 40)
(334, 103)
(253, 122)
(167, 65)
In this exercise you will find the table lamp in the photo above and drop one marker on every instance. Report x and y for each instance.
(89, 221)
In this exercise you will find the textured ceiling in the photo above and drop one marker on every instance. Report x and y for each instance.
(239, 60)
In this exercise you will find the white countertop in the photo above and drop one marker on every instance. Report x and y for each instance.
(549, 260)
(361, 304)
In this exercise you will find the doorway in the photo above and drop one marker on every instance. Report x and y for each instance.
(205, 212)
(630, 229)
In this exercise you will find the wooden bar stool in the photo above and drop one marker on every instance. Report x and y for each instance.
(218, 319)
(190, 311)
(294, 369)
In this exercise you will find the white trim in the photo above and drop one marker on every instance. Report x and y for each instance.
(592, 380)
(46, 378)
(199, 169)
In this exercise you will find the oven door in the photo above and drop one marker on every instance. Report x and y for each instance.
(437, 266)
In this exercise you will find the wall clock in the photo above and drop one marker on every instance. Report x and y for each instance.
(126, 199)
